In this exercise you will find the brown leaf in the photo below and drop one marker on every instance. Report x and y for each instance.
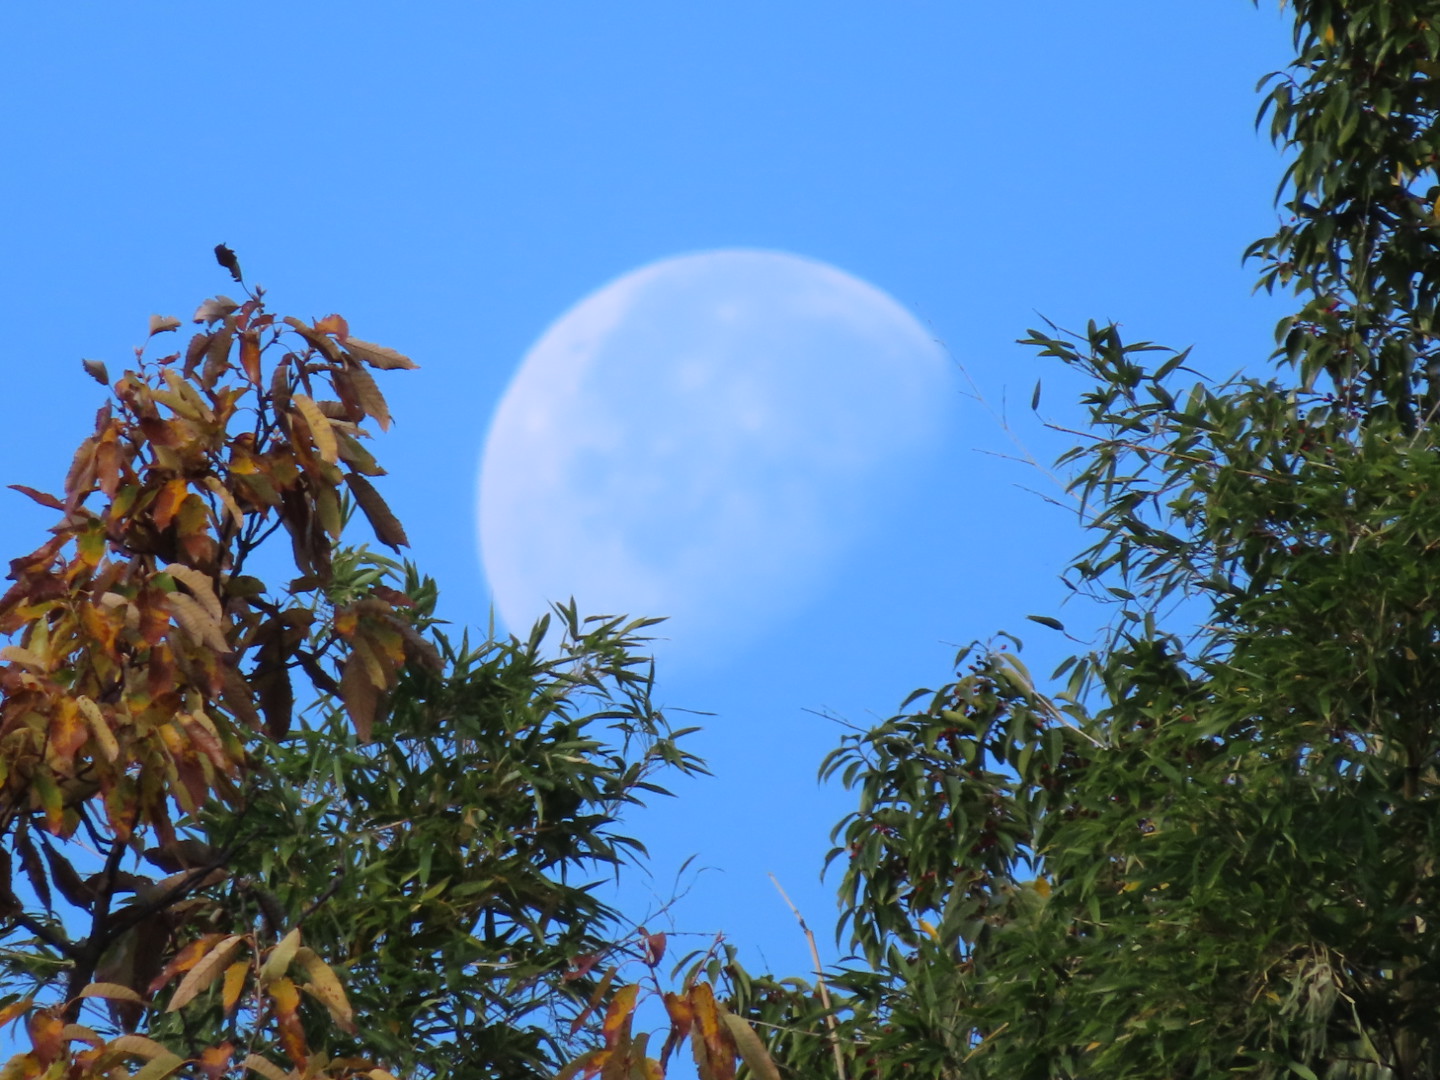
(193, 352)
(334, 324)
(250, 355)
(360, 696)
(353, 382)
(34, 868)
(215, 309)
(378, 356)
(39, 496)
(47, 1036)
(217, 355)
(226, 258)
(159, 324)
(96, 370)
(388, 529)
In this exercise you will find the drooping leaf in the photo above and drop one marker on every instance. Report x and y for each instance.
(388, 529)
(206, 971)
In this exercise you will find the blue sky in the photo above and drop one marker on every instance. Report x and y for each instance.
(453, 177)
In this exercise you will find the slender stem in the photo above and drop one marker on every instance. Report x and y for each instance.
(831, 1033)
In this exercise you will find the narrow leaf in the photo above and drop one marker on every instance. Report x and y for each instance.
(388, 529)
(199, 978)
(752, 1050)
(378, 356)
(113, 991)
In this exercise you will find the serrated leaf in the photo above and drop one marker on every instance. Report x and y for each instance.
(97, 370)
(40, 497)
(378, 356)
(199, 978)
(200, 586)
(388, 529)
(159, 324)
(196, 622)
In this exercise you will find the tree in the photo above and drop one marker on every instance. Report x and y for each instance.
(392, 879)
(1212, 848)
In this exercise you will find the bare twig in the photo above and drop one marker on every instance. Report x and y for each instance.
(819, 979)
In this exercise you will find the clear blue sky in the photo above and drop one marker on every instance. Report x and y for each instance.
(453, 176)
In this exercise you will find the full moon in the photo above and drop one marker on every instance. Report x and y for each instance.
(705, 438)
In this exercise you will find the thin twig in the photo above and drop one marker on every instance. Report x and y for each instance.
(819, 979)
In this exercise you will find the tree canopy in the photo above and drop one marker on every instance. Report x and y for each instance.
(1207, 845)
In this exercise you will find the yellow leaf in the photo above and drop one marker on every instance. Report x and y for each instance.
(319, 427)
(199, 978)
(234, 984)
(326, 987)
(104, 737)
(929, 928)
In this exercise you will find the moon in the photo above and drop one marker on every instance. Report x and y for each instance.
(705, 438)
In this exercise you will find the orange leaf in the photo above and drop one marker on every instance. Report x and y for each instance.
(199, 978)
(334, 324)
(15, 1009)
(215, 1060)
(618, 1015)
(47, 1035)
(287, 1005)
(250, 355)
(184, 960)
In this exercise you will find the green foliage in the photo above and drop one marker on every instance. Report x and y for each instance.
(1212, 848)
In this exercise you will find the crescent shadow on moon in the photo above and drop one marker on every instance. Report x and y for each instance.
(704, 438)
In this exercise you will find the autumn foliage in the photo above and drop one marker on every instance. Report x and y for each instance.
(146, 662)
